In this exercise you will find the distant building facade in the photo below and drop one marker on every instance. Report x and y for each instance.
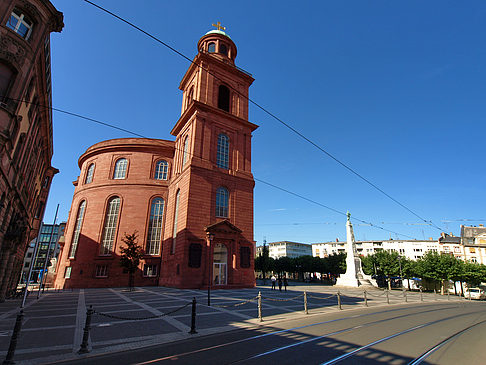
(288, 249)
(190, 200)
(25, 127)
(48, 241)
(412, 249)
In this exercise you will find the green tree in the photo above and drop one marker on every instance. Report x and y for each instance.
(473, 274)
(439, 267)
(263, 262)
(336, 263)
(131, 256)
(368, 264)
(409, 269)
(387, 264)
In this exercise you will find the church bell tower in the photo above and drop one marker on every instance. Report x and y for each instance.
(208, 235)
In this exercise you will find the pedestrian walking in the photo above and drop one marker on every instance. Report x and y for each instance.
(274, 279)
(285, 282)
(280, 283)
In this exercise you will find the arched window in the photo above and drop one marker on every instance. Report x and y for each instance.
(161, 169)
(6, 78)
(154, 234)
(222, 156)
(223, 49)
(20, 24)
(212, 47)
(224, 98)
(185, 156)
(109, 228)
(120, 169)
(89, 174)
(77, 229)
(222, 197)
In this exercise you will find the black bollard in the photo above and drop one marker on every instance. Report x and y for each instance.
(13, 340)
(339, 300)
(365, 299)
(193, 317)
(87, 326)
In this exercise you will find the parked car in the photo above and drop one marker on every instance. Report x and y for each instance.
(475, 293)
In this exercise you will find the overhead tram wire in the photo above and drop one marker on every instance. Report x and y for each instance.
(301, 135)
(106, 124)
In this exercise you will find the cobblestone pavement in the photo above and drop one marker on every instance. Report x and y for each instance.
(53, 325)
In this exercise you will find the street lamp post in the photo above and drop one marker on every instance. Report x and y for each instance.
(210, 237)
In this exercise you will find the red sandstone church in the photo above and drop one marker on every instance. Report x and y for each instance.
(191, 201)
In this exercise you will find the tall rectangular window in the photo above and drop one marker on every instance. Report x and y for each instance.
(89, 174)
(154, 233)
(109, 229)
(222, 197)
(185, 155)
(222, 156)
(67, 273)
(77, 229)
(174, 231)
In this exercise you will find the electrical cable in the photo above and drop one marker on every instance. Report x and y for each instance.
(268, 113)
(106, 124)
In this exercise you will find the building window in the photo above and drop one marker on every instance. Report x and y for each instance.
(77, 229)
(149, 270)
(174, 231)
(185, 155)
(211, 47)
(223, 49)
(109, 229)
(222, 156)
(101, 271)
(67, 273)
(195, 253)
(120, 169)
(245, 253)
(222, 196)
(6, 78)
(20, 24)
(223, 98)
(161, 170)
(89, 174)
(154, 233)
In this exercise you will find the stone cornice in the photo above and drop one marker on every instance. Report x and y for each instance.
(197, 107)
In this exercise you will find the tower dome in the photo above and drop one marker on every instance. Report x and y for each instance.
(219, 44)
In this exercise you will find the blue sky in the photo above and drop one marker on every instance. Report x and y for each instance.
(394, 89)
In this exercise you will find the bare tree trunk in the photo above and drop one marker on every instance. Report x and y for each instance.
(130, 280)
(389, 283)
(442, 287)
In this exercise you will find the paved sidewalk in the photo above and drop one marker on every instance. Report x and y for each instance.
(53, 325)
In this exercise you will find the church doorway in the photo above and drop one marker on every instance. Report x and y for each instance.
(220, 264)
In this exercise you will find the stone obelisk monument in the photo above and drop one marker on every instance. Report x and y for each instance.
(354, 273)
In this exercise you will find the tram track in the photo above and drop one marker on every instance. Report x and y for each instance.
(261, 337)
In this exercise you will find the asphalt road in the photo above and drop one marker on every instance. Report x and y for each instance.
(454, 333)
